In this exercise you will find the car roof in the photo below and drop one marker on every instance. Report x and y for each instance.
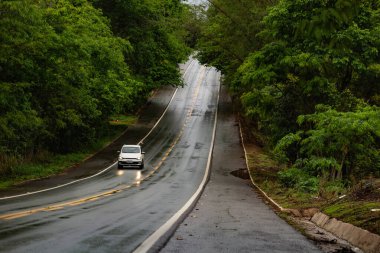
(137, 146)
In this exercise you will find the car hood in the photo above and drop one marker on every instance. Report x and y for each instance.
(130, 156)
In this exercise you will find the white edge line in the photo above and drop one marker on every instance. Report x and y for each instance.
(168, 225)
(106, 169)
(158, 121)
(59, 186)
(250, 176)
(167, 107)
(100, 172)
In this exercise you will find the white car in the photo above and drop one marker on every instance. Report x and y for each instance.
(131, 156)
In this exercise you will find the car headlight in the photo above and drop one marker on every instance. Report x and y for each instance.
(120, 158)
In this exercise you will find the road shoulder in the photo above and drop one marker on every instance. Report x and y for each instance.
(230, 216)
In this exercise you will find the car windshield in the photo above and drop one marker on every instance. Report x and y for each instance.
(130, 150)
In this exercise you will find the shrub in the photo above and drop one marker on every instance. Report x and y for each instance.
(296, 178)
(338, 145)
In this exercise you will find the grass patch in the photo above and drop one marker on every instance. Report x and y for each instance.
(264, 171)
(51, 164)
(123, 120)
(357, 213)
(352, 209)
(36, 170)
(6, 184)
(54, 165)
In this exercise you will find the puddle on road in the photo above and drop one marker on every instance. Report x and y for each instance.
(241, 173)
(196, 112)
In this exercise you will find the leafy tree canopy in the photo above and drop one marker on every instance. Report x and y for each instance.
(154, 29)
(292, 57)
(63, 73)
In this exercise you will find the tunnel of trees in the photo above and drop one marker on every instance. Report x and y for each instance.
(306, 73)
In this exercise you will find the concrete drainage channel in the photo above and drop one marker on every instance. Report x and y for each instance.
(316, 226)
(361, 238)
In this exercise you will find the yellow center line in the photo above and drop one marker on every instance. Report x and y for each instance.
(188, 115)
(91, 198)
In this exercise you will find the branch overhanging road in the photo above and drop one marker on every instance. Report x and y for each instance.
(117, 210)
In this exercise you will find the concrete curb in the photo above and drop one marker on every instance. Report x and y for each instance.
(358, 237)
(271, 201)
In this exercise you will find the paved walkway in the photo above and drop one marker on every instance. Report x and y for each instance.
(230, 216)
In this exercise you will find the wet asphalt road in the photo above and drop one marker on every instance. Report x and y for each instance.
(230, 216)
(117, 210)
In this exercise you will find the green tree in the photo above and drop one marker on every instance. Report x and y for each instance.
(62, 57)
(22, 30)
(336, 145)
(229, 35)
(286, 61)
(194, 17)
(309, 59)
(154, 29)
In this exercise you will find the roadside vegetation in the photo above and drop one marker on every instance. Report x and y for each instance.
(46, 163)
(358, 204)
(73, 71)
(306, 77)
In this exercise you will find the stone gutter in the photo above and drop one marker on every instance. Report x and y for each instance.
(358, 237)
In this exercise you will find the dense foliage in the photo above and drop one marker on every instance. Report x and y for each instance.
(64, 72)
(154, 28)
(307, 74)
(339, 144)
